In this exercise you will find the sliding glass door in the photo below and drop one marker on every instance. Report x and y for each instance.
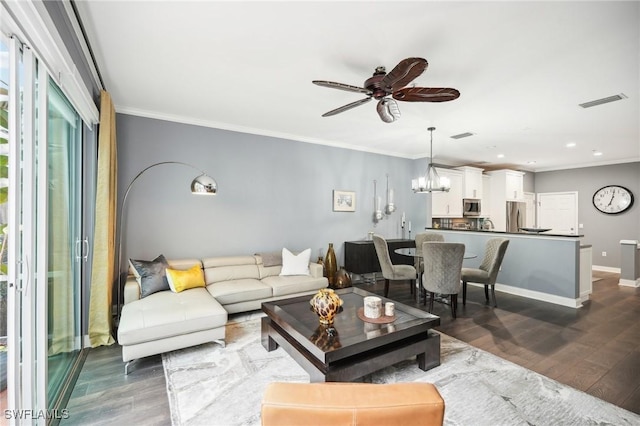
(41, 251)
(65, 247)
(4, 193)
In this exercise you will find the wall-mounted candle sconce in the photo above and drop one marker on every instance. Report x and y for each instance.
(390, 207)
(377, 211)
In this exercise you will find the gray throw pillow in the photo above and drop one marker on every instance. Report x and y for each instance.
(271, 258)
(151, 275)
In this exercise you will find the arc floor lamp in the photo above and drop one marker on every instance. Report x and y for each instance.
(202, 184)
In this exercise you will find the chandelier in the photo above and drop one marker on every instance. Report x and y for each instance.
(431, 181)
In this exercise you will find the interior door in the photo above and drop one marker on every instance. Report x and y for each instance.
(558, 211)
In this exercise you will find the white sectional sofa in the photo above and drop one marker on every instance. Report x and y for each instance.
(166, 321)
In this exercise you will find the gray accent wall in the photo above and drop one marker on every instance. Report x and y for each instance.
(276, 193)
(602, 231)
(273, 192)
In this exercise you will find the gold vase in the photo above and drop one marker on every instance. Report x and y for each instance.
(331, 267)
(326, 304)
(343, 279)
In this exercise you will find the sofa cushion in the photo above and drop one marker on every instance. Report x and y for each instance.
(150, 275)
(185, 280)
(240, 290)
(269, 271)
(293, 264)
(166, 314)
(284, 285)
(218, 269)
(184, 264)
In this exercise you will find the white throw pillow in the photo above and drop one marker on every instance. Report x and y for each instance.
(295, 265)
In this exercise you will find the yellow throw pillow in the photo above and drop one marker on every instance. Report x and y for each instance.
(184, 280)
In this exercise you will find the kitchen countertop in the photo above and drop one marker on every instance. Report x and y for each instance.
(528, 234)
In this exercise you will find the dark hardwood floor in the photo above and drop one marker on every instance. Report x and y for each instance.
(595, 349)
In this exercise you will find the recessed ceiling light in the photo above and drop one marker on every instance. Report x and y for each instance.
(500, 155)
(571, 145)
(531, 162)
(596, 153)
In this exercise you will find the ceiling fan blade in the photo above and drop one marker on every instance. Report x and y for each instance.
(426, 94)
(388, 110)
(346, 107)
(341, 86)
(407, 70)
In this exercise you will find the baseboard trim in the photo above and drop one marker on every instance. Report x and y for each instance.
(537, 295)
(605, 268)
(629, 283)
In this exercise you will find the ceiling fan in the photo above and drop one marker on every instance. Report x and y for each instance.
(382, 84)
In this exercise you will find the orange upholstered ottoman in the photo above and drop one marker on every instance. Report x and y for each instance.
(332, 404)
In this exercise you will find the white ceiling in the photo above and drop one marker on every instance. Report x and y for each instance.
(521, 69)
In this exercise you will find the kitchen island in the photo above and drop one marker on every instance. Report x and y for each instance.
(549, 267)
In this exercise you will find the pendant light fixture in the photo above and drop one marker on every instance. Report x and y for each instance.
(431, 181)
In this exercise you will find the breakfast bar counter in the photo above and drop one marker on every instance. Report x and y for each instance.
(547, 267)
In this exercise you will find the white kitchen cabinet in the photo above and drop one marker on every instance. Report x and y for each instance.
(514, 185)
(506, 185)
(448, 204)
(471, 182)
(485, 206)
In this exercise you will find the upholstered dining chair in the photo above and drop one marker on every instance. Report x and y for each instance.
(442, 271)
(487, 273)
(423, 237)
(392, 272)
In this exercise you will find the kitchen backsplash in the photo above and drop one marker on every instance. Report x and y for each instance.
(458, 223)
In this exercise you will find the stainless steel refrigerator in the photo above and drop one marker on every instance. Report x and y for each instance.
(516, 215)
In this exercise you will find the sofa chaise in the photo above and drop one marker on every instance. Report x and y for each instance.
(168, 320)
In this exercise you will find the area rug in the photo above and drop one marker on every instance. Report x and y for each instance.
(211, 385)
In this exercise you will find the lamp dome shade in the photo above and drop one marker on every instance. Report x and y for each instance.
(205, 185)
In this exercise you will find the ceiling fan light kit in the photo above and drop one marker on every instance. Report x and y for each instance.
(431, 181)
(381, 85)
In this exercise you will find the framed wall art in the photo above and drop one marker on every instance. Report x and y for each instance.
(344, 201)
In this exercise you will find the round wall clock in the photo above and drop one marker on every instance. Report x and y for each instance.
(613, 199)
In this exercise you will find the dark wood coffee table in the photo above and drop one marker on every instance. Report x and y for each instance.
(351, 348)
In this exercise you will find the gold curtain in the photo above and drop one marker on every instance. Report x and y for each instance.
(104, 243)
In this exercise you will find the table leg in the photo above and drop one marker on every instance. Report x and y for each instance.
(431, 357)
(267, 341)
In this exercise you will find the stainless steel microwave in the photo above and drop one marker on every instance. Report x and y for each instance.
(471, 207)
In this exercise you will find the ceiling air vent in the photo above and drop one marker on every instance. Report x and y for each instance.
(604, 100)
(462, 135)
